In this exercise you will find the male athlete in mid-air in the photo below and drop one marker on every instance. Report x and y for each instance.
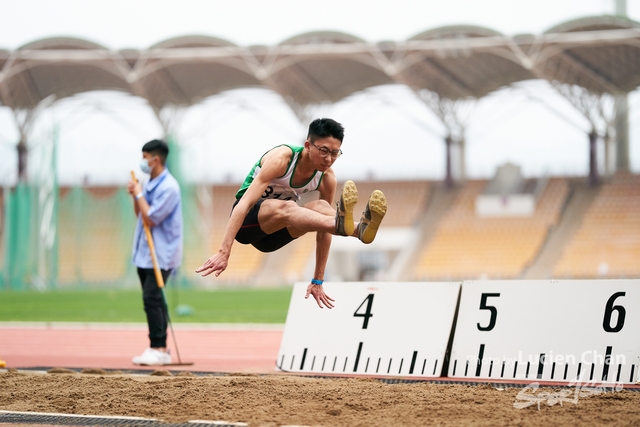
(266, 213)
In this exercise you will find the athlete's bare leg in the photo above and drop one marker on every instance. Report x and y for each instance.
(313, 216)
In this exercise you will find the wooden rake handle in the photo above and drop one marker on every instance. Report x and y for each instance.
(152, 248)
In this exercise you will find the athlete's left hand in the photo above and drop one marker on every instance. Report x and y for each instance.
(318, 293)
(216, 264)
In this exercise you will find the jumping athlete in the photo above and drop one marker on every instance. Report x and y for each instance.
(266, 213)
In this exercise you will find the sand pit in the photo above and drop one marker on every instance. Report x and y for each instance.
(277, 400)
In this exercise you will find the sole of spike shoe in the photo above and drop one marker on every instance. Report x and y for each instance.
(377, 210)
(349, 198)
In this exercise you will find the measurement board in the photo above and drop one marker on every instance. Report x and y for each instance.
(375, 328)
(568, 330)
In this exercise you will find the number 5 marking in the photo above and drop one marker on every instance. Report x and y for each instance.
(493, 310)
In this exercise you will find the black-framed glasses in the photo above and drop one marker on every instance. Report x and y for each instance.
(324, 152)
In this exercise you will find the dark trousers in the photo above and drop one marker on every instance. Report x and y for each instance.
(154, 306)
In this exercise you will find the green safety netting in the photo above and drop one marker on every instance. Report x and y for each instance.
(74, 237)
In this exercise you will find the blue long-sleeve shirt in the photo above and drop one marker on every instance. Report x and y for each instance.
(165, 211)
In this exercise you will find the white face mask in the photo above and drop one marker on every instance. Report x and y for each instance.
(144, 166)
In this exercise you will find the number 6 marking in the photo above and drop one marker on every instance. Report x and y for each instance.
(609, 309)
(493, 310)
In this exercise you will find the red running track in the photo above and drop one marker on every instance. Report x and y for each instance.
(211, 348)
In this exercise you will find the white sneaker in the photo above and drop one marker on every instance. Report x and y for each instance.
(153, 357)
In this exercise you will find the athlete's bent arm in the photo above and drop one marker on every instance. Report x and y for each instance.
(273, 165)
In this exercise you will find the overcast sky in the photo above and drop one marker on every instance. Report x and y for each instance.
(389, 133)
(120, 24)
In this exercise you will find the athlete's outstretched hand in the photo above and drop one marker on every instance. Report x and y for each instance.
(216, 264)
(318, 293)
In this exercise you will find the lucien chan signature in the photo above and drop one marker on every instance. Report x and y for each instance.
(528, 397)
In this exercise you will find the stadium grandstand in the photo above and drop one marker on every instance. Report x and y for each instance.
(449, 229)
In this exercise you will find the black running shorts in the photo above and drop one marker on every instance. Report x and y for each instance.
(251, 233)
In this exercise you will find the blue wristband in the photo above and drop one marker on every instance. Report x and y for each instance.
(317, 282)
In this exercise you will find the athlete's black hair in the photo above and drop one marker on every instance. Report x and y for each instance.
(322, 128)
(157, 147)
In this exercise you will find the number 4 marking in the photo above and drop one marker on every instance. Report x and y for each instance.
(367, 314)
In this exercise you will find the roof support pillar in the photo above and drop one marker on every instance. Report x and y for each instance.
(451, 115)
(621, 125)
(455, 171)
(22, 158)
(448, 180)
(593, 158)
(24, 121)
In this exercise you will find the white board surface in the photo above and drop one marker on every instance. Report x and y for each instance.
(375, 328)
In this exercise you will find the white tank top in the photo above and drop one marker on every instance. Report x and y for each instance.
(281, 188)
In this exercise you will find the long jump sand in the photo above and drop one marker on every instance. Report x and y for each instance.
(278, 400)
(250, 392)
